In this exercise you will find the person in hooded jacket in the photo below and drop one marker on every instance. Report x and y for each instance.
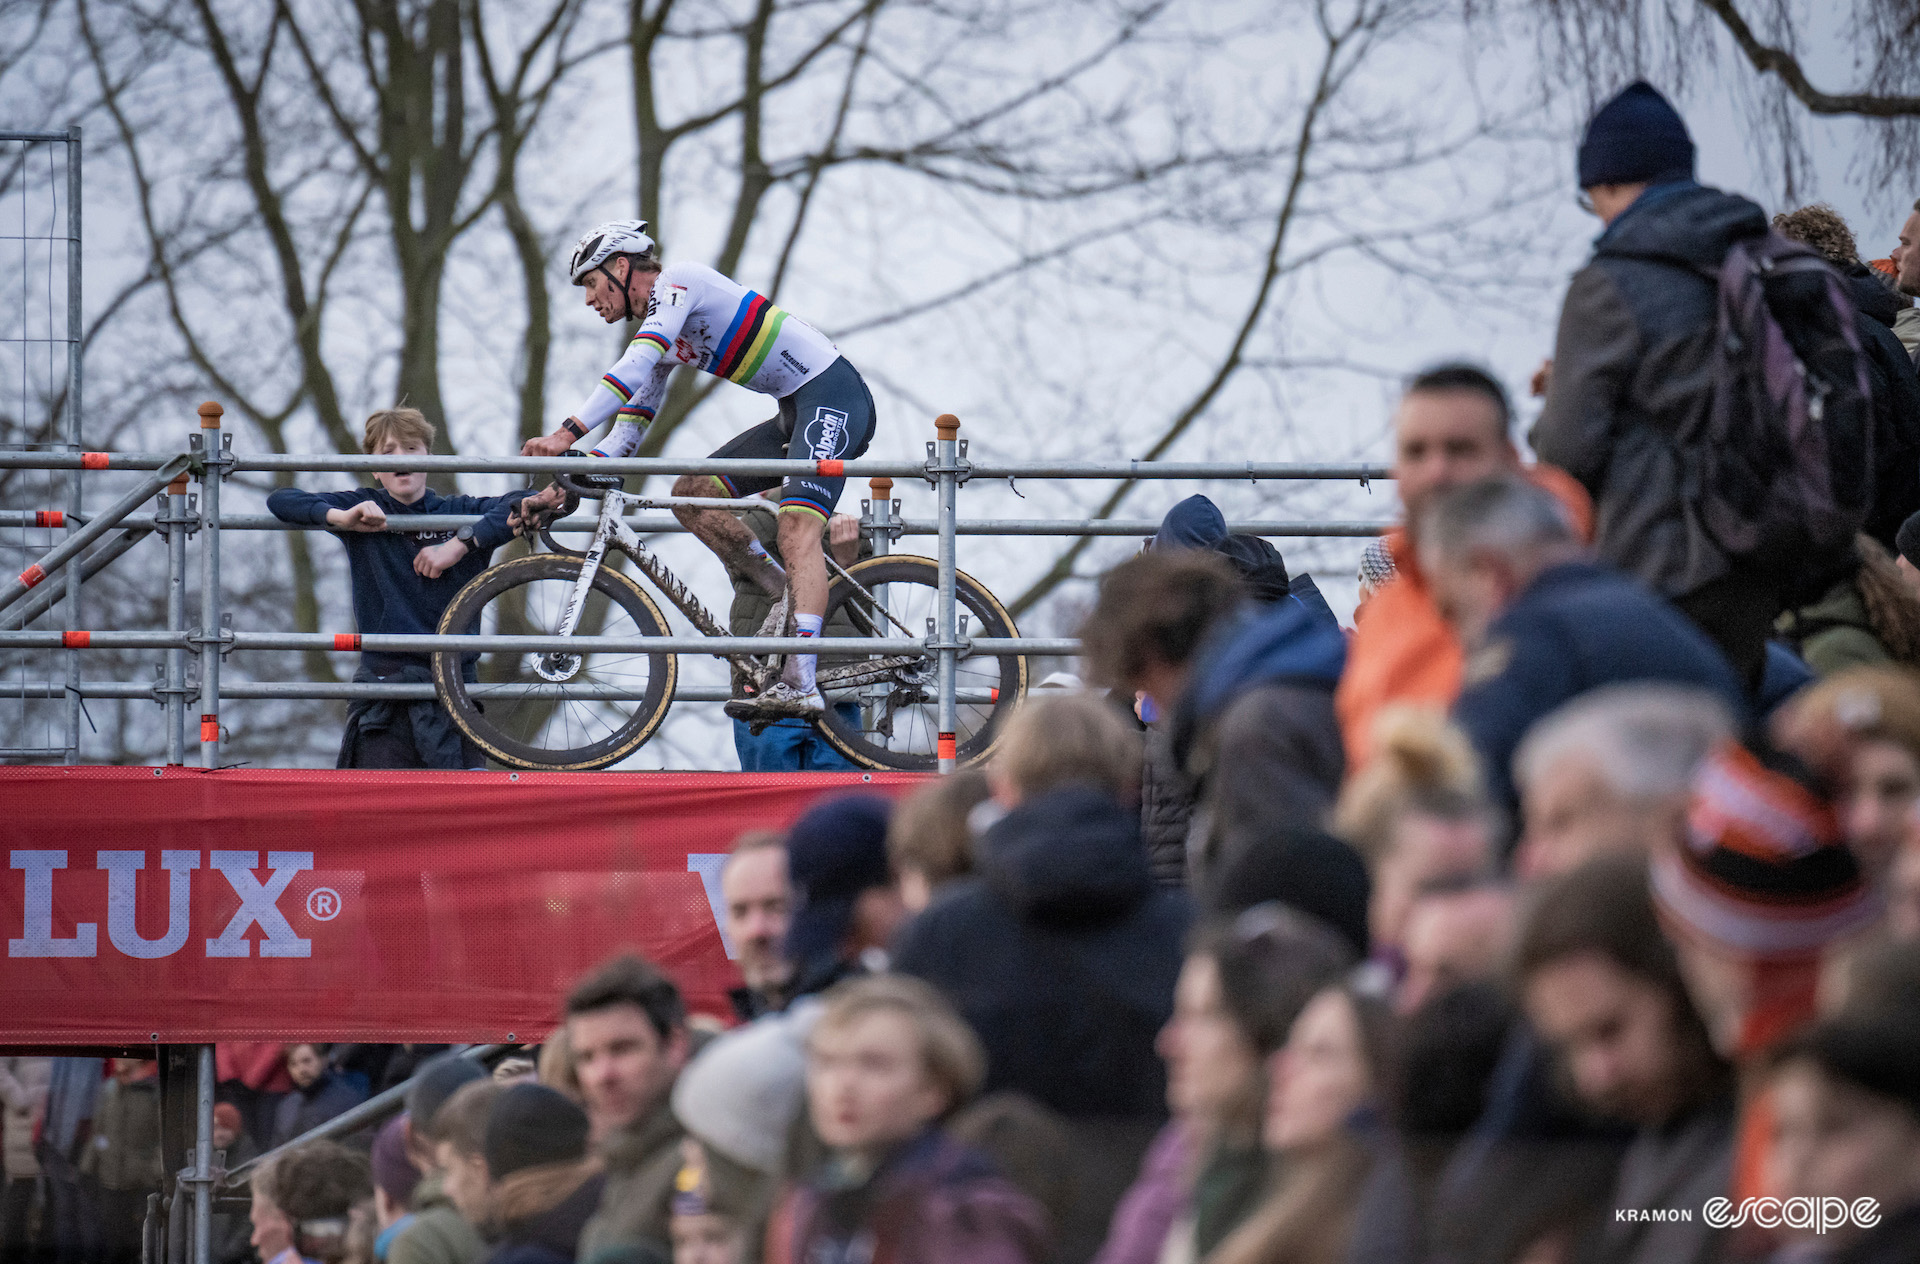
(545, 1184)
(1061, 952)
(1633, 369)
(1249, 692)
(1167, 794)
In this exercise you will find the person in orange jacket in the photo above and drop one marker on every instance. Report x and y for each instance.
(1453, 427)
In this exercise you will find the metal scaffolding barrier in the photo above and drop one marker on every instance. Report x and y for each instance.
(94, 542)
(42, 175)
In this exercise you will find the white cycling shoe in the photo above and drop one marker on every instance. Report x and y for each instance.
(779, 701)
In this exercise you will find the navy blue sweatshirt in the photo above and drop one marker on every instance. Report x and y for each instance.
(389, 597)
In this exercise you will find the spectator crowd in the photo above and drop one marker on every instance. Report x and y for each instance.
(1565, 909)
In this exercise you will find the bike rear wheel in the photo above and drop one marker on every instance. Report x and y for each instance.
(531, 728)
(898, 720)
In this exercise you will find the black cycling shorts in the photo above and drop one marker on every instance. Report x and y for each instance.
(830, 418)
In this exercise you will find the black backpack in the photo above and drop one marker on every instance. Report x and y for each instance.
(1784, 459)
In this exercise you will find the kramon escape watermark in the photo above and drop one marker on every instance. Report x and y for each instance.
(1817, 1214)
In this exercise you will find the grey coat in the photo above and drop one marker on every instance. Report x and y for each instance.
(1676, 1168)
(1632, 380)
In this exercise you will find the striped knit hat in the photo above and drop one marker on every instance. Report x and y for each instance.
(1764, 872)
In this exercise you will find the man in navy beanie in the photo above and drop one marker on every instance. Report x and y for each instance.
(1632, 369)
(845, 907)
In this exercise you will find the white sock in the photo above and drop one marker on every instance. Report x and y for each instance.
(802, 665)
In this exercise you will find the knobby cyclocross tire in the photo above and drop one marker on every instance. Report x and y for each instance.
(998, 680)
(627, 733)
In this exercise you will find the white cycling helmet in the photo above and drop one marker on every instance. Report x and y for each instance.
(615, 237)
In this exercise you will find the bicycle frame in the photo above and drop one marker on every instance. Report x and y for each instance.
(613, 530)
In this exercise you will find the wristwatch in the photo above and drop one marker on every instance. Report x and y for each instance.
(465, 535)
(574, 428)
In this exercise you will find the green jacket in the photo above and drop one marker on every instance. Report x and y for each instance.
(439, 1234)
(124, 1153)
(750, 601)
(642, 1161)
(1833, 632)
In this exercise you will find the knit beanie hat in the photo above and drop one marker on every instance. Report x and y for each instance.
(1636, 137)
(531, 1125)
(834, 852)
(393, 1172)
(1376, 563)
(1764, 873)
(742, 1092)
(434, 1083)
(1907, 540)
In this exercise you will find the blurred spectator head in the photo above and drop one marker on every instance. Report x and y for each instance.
(844, 901)
(272, 1231)
(1304, 869)
(394, 1174)
(1032, 1145)
(318, 1185)
(529, 1126)
(133, 1070)
(1906, 260)
(709, 1220)
(1482, 544)
(1634, 140)
(1611, 771)
(1449, 1048)
(437, 1080)
(461, 1148)
(1417, 816)
(306, 1063)
(1246, 979)
(1821, 227)
(929, 842)
(887, 1059)
(555, 1064)
(1376, 568)
(1907, 543)
(1065, 739)
(1860, 730)
(1153, 613)
(1455, 935)
(1339, 1059)
(1761, 888)
(1846, 1109)
(227, 1125)
(753, 887)
(627, 1031)
(1602, 986)
(1451, 429)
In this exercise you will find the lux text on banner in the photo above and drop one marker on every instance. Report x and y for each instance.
(175, 905)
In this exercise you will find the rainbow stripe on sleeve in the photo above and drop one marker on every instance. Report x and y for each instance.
(635, 412)
(656, 339)
(618, 387)
(744, 346)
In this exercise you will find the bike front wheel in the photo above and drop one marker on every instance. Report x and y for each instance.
(560, 711)
(883, 711)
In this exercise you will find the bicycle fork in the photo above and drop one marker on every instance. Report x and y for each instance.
(559, 666)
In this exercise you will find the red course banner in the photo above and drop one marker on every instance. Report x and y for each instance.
(182, 906)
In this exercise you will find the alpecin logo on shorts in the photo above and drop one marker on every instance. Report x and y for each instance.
(824, 432)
